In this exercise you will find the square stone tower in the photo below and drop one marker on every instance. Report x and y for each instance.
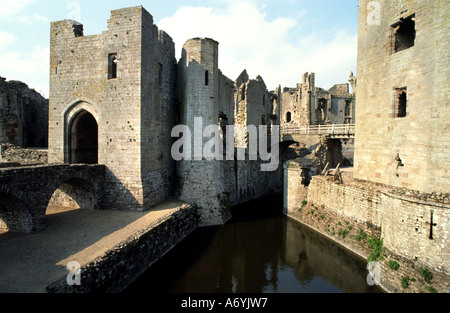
(112, 102)
(403, 106)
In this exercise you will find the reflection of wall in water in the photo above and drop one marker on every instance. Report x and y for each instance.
(311, 254)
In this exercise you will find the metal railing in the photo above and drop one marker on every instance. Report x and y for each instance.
(329, 129)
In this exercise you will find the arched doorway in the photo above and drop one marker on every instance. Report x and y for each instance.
(83, 140)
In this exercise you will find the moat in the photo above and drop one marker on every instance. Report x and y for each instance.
(258, 251)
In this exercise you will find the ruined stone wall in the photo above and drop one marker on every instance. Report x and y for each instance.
(346, 200)
(406, 230)
(421, 138)
(119, 267)
(200, 180)
(309, 105)
(294, 191)
(130, 105)
(23, 115)
(159, 112)
(254, 108)
(293, 109)
(404, 219)
(337, 114)
(204, 92)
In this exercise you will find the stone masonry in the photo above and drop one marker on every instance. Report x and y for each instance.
(119, 85)
(204, 92)
(414, 226)
(307, 104)
(402, 116)
(401, 176)
(115, 98)
(23, 115)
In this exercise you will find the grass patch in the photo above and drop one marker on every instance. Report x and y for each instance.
(405, 281)
(343, 233)
(377, 248)
(393, 265)
(427, 275)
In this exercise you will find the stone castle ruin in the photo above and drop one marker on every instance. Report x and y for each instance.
(307, 104)
(115, 98)
(401, 179)
(23, 115)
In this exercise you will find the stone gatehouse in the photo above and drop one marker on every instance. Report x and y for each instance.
(115, 98)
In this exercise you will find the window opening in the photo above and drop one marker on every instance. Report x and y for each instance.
(404, 33)
(112, 66)
(160, 75)
(401, 102)
(288, 117)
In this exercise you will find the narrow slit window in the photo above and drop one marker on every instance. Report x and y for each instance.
(404, 34)
(401, 102)
(207, 78)
(160, 75)
(112, 66)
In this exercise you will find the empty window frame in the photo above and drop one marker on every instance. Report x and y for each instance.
(404, 34)
(112, 66)
(288, 117)
(348, 108)
(206, 78)
(400, 102)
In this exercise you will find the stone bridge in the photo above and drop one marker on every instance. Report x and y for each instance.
(27, 192)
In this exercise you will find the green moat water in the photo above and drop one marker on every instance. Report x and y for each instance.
(258, 251)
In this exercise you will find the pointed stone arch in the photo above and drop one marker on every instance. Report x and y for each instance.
(81, 132)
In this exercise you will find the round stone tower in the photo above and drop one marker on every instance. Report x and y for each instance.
(200, 58)
(201, 180)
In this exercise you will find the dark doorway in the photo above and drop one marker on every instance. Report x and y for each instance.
(84, 139)
(335, 150)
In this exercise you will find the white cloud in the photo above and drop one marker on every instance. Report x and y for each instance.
(6, 39)
(30, 68)
(250, 40)
(10, 8)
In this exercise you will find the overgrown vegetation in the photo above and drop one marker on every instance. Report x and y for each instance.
(393, 265)
(406, 281)
(427, 275)
(224, 202)
(377, 248)
(343, 233)
(362, 235)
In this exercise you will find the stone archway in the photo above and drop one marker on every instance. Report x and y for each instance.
(83, 139)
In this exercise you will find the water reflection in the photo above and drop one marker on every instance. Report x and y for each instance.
(269, 255)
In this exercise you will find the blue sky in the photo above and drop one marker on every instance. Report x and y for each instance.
(277, 39)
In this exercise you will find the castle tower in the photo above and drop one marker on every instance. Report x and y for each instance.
(403, 106)
(201, 180)
(112, 99)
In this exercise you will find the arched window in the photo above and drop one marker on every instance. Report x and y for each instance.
(112, 66)
(288, 117)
